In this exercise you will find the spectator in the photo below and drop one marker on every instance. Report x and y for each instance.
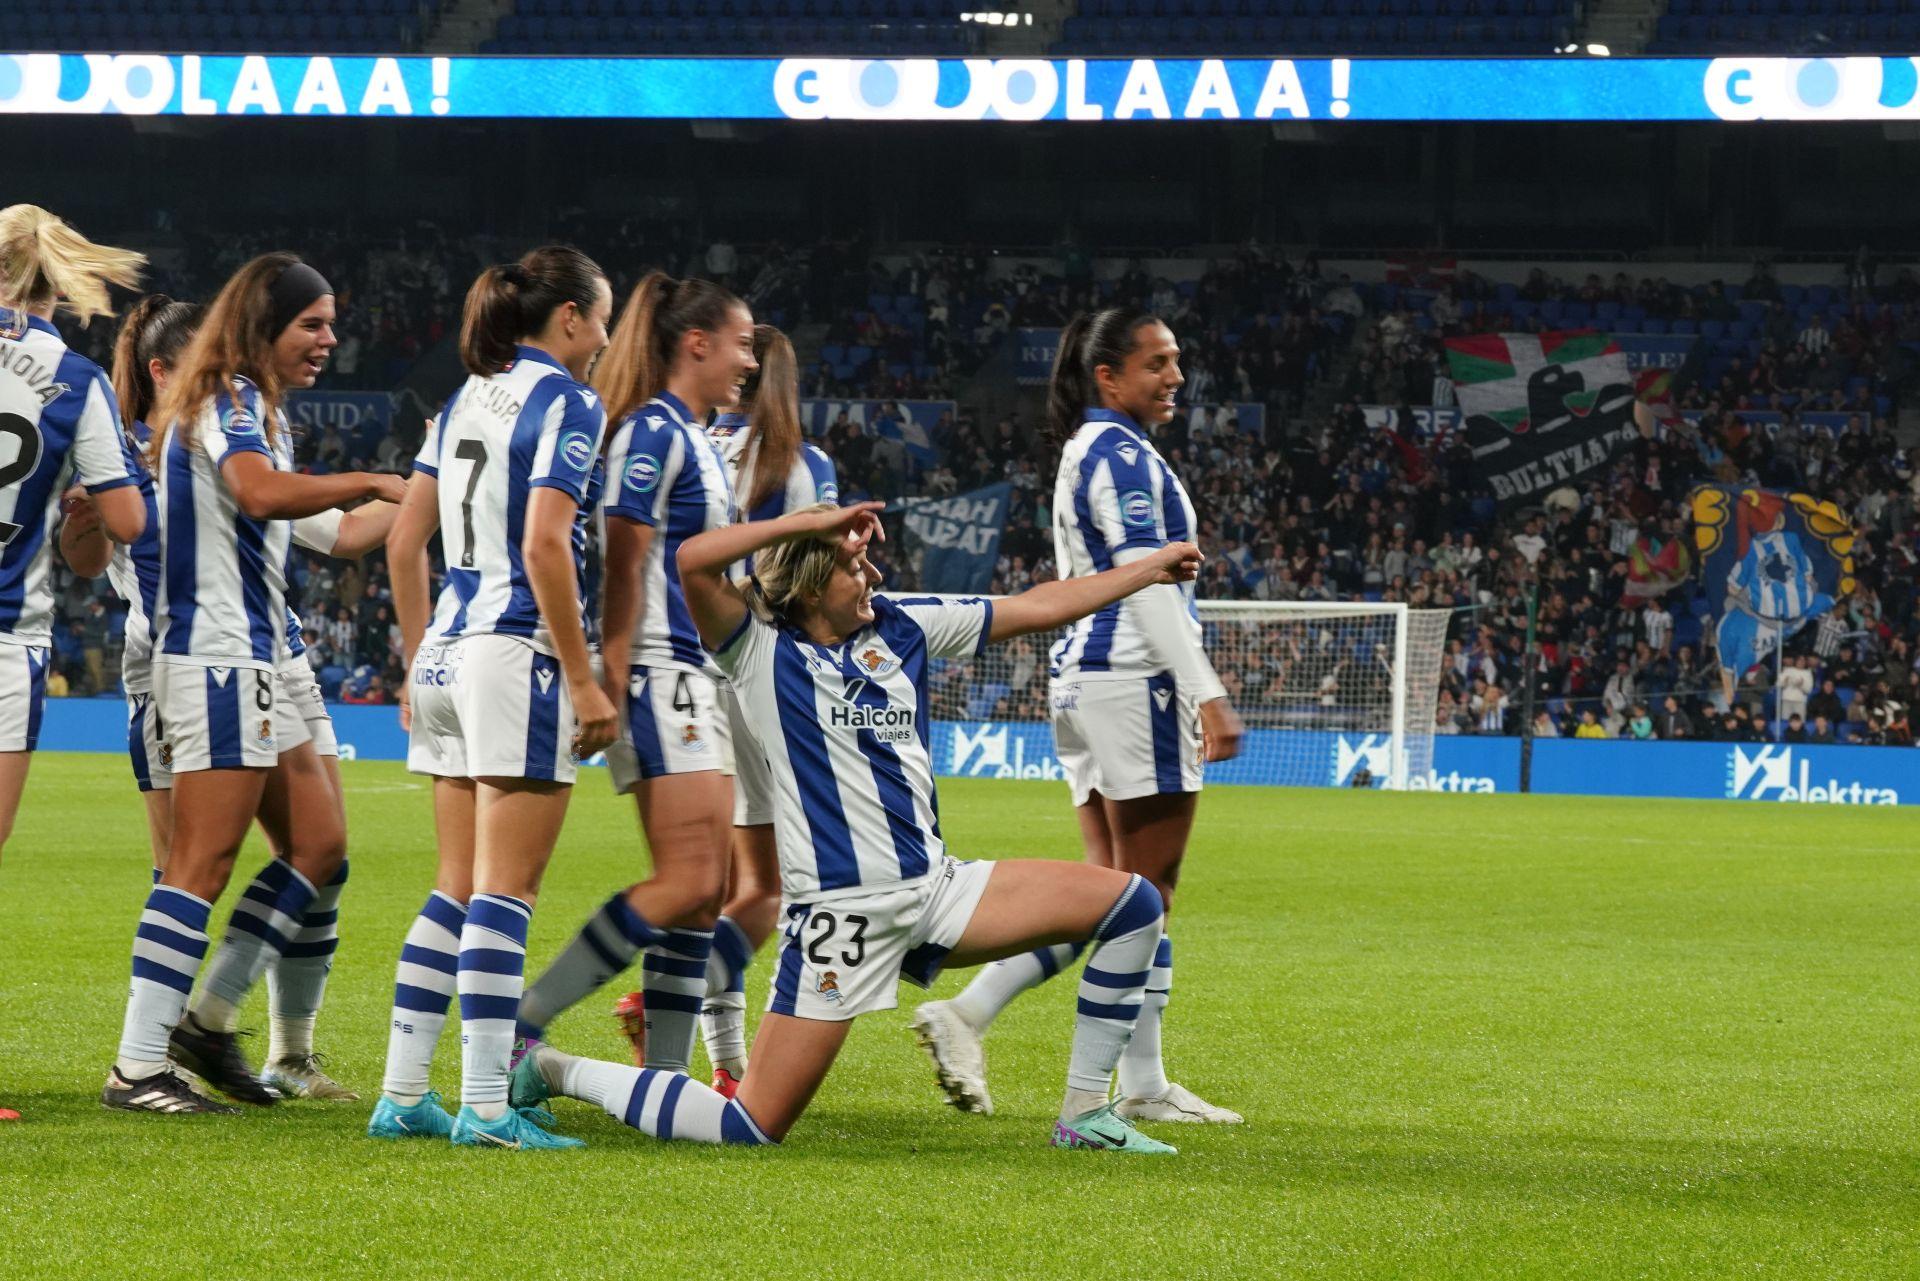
(1590, 726)
(1796, 687)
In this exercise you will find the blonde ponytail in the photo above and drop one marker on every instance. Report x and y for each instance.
(43, 260)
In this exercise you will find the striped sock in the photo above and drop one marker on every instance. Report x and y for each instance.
(674, 982)
(423, 986)
(1112, 984)
(493, 960)
(981, 1001)
(667, 1105)
(723, 1018)
(168, 947)
(604, 947)
(264, 921)
(297, 981)
(1142, 1074)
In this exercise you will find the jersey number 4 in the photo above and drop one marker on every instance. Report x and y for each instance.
(28, 457)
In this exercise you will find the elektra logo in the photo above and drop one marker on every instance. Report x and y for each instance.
(1374, 753)
(995, 751)
(1769, 774)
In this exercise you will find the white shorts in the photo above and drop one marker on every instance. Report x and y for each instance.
(1126, 736)
(147, 747)
(220, 717)
(845, 956)
(300, 689)
(490, 707)
(676, 723)
(752, 776)
(23, 695)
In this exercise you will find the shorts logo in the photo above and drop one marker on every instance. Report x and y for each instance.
(691, 740)
(578, 451)
(643, 473)
(266, 733)
(876, 663)
(545, 676)
(166, 755)
(1161, 697)
(1136, 507)
(829, 987)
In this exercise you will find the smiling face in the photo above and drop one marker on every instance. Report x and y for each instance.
(300, 351)
(581, 335)
(1144, 385)
(845, 605)
(722, 359)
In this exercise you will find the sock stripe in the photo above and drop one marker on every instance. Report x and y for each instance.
(446, 912)
(477, 1005)
(672, 1002)
(668, 1103)
(340, 877)
(502, 914)
(190, 910)
(320, 920)
(155, 972)
(737, 1126)
(695, 943)
(730, 941)
(675, 966)
(260, 929)
(1048, 966)
(1138, 905)
(1120, 1013)
(1106, 978)
(421, 1000)
(492, 960)
(629, 924)
(643, 1086)
(1163, 957)
(608, 956)
(172, 940)
(431, 958)
(303, 951)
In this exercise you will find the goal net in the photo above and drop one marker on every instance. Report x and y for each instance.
(1332, 695)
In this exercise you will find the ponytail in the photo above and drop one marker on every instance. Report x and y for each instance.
(773, 414)
(156, 329)
(43, 260)
(1090, 340)
(640, 354)
(513, 301)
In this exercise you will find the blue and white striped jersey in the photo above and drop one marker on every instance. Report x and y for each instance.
(664, 472)
(222, 600)
(1113, 493)
(845, 731)
(532, 425)
(59, 423)
(810, 480)
(134, 575)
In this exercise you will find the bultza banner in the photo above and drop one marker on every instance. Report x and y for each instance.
(1541, 410)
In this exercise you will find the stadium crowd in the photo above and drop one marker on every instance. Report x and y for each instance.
(1350, 509)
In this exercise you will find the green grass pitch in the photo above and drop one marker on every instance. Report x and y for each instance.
(1473, 1037)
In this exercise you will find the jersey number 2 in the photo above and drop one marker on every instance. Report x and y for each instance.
(22, 465)
(476, 452)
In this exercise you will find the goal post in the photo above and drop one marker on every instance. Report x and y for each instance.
(1338, 694)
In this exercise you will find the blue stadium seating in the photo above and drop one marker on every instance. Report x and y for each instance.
(1319, 26)
(915, 27)
(223, 26)
(1814, 26)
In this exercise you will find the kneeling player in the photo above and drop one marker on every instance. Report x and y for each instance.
(833, 679)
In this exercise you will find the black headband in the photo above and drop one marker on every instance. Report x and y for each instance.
(296, 289)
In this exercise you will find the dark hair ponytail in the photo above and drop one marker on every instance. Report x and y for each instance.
(513, 301)
(640, 353)
(156, 329)
(1090, 340)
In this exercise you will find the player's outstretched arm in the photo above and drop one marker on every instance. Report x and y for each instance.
(1054, 605)
(264, 492)
(717, 607)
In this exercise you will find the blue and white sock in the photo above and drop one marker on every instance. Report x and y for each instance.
(297, 982)
(264, 921)
(493, 962)
(1111, 988)
(981, 1001)
(667, 1105)
(605, 946)
(673, 980)
(423, 987)
(168, 947)
(1142, 1074)
(723, 1016)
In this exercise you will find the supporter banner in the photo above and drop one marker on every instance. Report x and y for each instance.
(1011, 89)
(912, 423)
(1790, 773)
(365, 414)
(1652, 351)
(1541, 410)
(1771, 421)
(1772, 563)
(1033, 353)
(959, 537)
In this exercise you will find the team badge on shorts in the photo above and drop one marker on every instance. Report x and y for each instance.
(829, 987)
(166, 755)
(266, 733)
(691, 740)
(876, 663)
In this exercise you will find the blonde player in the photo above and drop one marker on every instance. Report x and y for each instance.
(1137, 708)
(683, 348)
(833, 682)
(501, 693)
